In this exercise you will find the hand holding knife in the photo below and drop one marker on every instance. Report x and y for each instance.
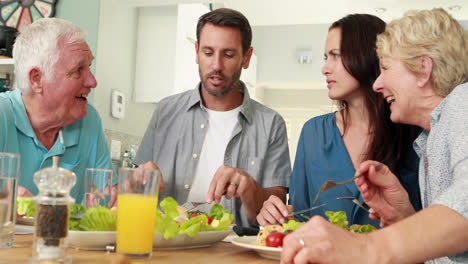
(305, 210)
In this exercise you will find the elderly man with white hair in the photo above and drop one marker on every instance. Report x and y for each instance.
(48, 114)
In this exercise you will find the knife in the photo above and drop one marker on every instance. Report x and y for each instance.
(305, 210)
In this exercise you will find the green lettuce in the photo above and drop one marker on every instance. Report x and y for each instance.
(293, 225)
(95, 219)
(217, 211)
(166, 225)
(169, 206)
(338, 218)
(165, 222)
(222, 218)
(225, 221)
(77, 209)
(73, 222)
(25, 206)
(193, 226)
(99, 219)
(364, 229)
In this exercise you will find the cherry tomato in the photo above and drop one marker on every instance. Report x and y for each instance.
(194, 214)
(209, 219)
(275, 239)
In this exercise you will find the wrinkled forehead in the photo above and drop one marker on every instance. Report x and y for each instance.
(67, 47)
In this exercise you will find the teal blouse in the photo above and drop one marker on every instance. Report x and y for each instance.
(321, 156)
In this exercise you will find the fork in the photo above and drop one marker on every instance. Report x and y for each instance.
(356, 201)
(305, 210)
(192, 205)
(331, 184)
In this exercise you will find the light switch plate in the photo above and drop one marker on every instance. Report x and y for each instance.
(118, 105)
(115, 147)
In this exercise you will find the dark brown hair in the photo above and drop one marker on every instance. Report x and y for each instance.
(228, 18)
(358, 53)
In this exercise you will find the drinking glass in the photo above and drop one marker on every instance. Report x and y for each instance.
(98, 184)
(136, 211)
(9, 170)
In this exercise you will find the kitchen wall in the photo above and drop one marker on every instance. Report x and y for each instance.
(297, 91)
(115, 69)
(464, 23)
(84, 13)
(276, 48)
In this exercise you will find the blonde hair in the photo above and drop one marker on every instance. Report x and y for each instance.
(432, 33)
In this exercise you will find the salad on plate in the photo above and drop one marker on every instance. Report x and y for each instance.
(269, 241)
(175, 227)
(273, 235)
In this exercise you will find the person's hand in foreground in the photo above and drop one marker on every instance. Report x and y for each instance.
(382, 191)
(319, 241)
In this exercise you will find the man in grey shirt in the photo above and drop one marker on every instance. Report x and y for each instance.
(214, 140)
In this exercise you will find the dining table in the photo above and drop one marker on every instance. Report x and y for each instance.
(221, 252)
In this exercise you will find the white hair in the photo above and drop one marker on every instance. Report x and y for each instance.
(36, 46)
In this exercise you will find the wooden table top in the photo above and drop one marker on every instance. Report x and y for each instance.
(221, 252)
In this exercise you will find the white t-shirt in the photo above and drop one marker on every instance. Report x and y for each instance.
(218, 134)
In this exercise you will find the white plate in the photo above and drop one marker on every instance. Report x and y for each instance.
(25, 220)
(91, 240)
(24, 229)
(181, 241)
(98, 240)
(249, 242)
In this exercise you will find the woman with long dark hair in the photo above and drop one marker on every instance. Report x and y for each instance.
(332, 146)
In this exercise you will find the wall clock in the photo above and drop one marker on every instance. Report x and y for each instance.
(18, 13)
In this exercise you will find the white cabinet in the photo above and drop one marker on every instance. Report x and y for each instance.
(6, 65)
(155, 52)
(6, 73)
(165, 54)
(186, 68)
(249, 77)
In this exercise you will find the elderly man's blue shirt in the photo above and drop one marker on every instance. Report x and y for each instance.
(82, 146)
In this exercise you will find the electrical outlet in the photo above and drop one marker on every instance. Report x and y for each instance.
(115, 147)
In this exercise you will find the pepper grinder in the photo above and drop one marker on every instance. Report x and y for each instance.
(52, 212)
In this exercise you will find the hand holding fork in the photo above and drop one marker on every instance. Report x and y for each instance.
(331, 184)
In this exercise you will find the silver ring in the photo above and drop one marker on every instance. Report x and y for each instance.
(234, 184)
(301, 241)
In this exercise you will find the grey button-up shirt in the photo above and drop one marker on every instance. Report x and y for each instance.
(175, 135)
(443, 167)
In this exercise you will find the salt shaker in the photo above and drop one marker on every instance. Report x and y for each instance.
(52, 212)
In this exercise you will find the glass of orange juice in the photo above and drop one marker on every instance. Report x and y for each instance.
(137, 203)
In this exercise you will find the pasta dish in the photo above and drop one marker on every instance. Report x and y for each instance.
(261, 237)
